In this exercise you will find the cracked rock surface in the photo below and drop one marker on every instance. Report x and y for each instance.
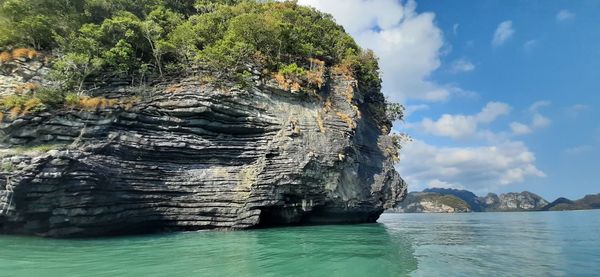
(199, 157)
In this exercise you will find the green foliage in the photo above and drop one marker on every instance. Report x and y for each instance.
(7, 166)
(226, 55)
(37, 148)
(12, 101)
(51, 97)
(394, 111)
(206, 6)
(154, 37)
(452, 201)
(397, 142)
(185, 41)
(31, 102)
(155, 29)
(71, 99)
(73, 68)
(34, 23)
(364, 66)
(292, 70)
(291, 76)
(120, 57)
(19, 105)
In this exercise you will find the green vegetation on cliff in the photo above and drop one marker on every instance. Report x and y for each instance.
(157, 37)
(591, 201)
(87, 42)
(506, 202)
(418, 202)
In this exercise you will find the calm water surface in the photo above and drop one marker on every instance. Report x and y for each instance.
(497, 244)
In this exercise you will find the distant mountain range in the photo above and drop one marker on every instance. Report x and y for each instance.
(440, 200)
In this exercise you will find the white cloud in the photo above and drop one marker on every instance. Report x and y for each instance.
(454, 126)
(455, 28)
(579, 149)
(538, 105)
(520, 129)
(538, 121)
(464, 126)
(491, 111)
(530, 45)
(480, 169)
(504, 31)
(576, 110)
(462, 65)
(409, 44)
(410, 109)
(564, 15)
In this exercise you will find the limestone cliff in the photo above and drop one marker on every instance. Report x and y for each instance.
(189, 155)
(430, 202)
(589, 202)
(513, 201)
(454, 200)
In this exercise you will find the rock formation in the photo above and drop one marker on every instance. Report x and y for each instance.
(591, 201)
(466, 201)
(18, 74)
(430, 202)
(189, 155)
(513, 201)
(470, 198)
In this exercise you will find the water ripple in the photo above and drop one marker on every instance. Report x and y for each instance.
(498, 244)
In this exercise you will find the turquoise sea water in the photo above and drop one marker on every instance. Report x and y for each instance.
(493, 244)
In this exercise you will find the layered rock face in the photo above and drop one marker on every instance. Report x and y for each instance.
(17, 74)
(191, 156)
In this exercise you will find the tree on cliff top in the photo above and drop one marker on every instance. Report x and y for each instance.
(128, 35)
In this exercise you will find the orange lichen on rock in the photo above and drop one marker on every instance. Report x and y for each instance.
(18, 53)
(94, 103)
(348, 93)
(320, 123)
(295, 87)
(172, 89)
(15, 111)
(5, 57)
(315, 75)
(346, 118)
(30, 104)
(24, 53)
(281, 81)
(27, 87)
(328, 106)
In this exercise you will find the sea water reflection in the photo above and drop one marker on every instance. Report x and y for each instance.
(351, 250)
(480, 244)
(502, 244)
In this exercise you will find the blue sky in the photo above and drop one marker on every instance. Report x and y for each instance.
(554, 56)
(501, 95)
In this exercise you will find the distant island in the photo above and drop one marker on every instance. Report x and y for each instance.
(441, 200)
